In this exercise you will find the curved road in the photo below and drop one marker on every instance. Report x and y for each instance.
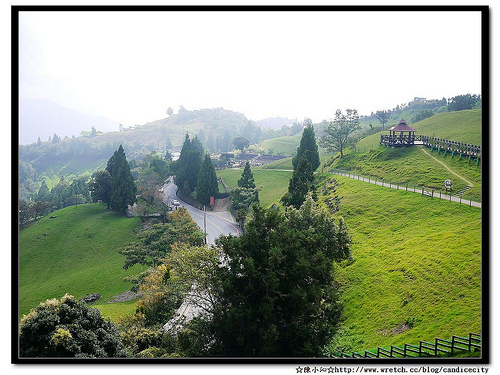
(216, 224)
(194, 304)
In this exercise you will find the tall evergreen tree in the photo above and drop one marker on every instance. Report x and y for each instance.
(246, 179)
(300, 184)
(307, 147)
(123, 189)
(100, 187)
(207, 185)
(276, 296)
(189, 164)
(43, 192)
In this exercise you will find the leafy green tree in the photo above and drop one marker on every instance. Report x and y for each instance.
(40, 208)
(68, 328)
(301, 183)
(241, 143)
(56, 138)
(337, 133)
(461, 102)
(100, 187)
(156, 242)
(307, 147)
(383, 117)
(422, 115)
(207, 185)
(275, 293)
(123, 189)
(61, 194)
(25, 212)
(39, 142)
(247, 180)
(170, 111)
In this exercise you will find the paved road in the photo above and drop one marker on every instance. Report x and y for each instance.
(216, 223)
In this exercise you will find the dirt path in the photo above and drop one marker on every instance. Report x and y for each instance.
(444, 165)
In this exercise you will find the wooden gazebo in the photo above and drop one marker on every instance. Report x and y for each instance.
(405, 138)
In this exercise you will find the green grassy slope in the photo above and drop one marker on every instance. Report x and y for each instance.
(285, 146)
(274, 183)
(415, 259)
(460, 126)
(75, 253)
(413, 166)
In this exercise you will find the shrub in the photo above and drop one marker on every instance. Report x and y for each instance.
(68, 328)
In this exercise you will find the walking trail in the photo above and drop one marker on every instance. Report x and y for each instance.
(423, 191)
(444, 165)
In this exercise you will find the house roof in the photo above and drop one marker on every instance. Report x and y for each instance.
(402, 127)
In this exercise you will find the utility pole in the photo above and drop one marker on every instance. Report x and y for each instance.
(205, 223)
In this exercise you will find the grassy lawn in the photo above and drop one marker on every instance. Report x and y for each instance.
(285, 146)
(416, 259)
(411, 165)
(460, 126)
(74, 253)
(273, 183)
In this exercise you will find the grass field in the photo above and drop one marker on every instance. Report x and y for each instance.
(74, 253)
(461, 126)
(411, 165)
(273, 183)
(416, 260)
(285, 146)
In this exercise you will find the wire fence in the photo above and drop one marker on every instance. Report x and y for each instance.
(427, 191)
(423, 349)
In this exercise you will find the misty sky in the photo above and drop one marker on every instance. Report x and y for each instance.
(131, 66)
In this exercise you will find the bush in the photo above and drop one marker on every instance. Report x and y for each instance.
(68, 328)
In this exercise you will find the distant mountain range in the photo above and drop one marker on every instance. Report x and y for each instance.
(42, 118)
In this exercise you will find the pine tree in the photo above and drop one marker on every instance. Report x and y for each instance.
(207, 185)
(43, 192)
(189, 164)
(123, 189)
(307, 147)
(246, 179)
(277, 295)
(300, 184)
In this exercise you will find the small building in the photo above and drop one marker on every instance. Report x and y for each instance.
(405, 138)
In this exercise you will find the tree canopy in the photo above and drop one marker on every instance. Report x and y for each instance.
(461, 102)
(241, 143)
(123, 189)
(68, 328)
(275, 294)
(383, 117)
(189, 164)
(207, 185)
(307, 147)
(337, 133)
(301, 183)
(247, 180)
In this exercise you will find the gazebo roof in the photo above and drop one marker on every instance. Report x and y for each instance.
(402, 127)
